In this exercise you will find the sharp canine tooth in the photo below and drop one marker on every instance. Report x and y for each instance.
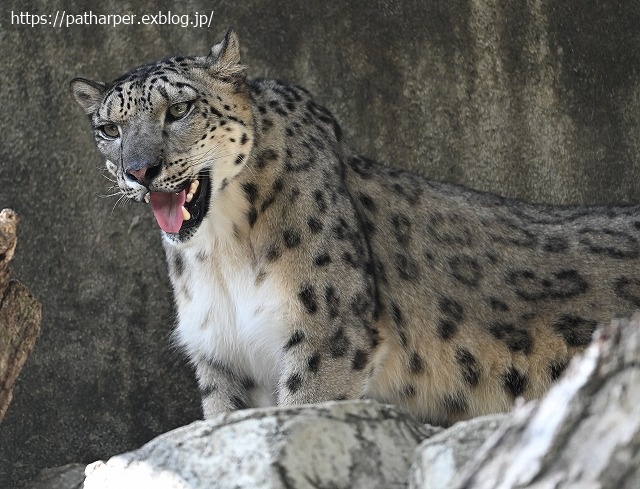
(185, 214)
(146, 198)
(193, 187)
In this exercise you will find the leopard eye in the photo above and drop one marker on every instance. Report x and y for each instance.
(179, 110)
(109, 131)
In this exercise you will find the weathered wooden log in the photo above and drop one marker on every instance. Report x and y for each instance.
(20, 314)
(8, 240)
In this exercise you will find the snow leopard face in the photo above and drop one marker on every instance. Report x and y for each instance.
(171, 131)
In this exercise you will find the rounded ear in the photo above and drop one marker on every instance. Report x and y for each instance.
(87, 93)
(225, 56)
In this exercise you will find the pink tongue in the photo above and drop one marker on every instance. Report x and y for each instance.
(166, 207)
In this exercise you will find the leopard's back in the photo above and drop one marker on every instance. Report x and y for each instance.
(488, 298)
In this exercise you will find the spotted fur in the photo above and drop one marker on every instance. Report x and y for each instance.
(317, 274)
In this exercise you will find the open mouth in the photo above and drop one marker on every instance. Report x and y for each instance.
(177, 211)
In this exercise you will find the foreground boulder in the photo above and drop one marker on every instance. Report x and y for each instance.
(585, 433)
(440, 459)
(338, 444)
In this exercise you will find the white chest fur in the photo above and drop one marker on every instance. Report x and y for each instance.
(224, 314)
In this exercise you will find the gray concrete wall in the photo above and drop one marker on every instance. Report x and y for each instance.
(537, 99)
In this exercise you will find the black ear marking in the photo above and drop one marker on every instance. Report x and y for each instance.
(87, 93)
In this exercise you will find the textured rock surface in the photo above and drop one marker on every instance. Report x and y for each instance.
(537, 99)
(355, 445)
(440, 458)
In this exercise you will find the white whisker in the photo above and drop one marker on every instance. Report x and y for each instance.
(106, 196)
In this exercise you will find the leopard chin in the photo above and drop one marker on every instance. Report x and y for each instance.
(180, 213)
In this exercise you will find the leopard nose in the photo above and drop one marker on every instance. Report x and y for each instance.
(144, 174)
(138, 175)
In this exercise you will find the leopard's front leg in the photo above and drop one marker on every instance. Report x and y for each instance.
(221, 389)
(333, 311)
(333, 361)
